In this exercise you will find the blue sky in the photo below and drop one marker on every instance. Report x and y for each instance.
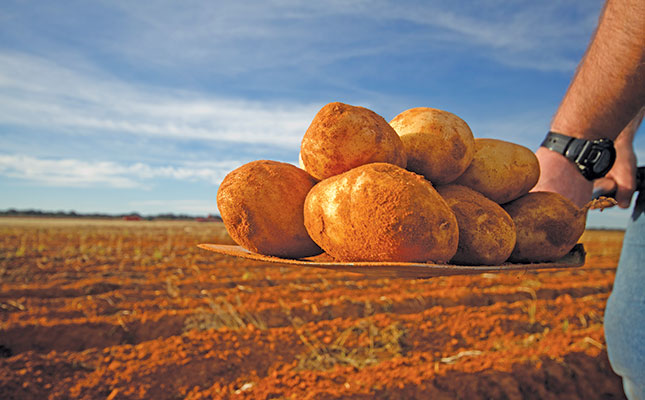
(119, 106)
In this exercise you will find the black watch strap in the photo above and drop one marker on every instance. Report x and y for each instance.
(594, 158)
(558, 143)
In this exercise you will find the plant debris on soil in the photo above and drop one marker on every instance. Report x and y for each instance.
(134, 310)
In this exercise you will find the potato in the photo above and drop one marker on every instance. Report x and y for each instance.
(342, 137)
(486, 231)
(439, 145)
(548, 226)
(381, 212)
(261, 204)
(300, 163)
(500, 170)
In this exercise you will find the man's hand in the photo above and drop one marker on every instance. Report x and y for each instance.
(622, 176)
(557, 174)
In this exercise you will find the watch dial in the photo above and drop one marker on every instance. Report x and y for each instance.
(602, 163)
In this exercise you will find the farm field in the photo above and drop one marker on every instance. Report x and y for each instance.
(134, 310)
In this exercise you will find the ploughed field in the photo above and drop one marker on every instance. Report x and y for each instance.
(133, 309)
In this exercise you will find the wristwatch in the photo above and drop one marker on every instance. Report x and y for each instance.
(594, 158)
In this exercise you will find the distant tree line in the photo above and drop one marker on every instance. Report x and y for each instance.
(12, 212)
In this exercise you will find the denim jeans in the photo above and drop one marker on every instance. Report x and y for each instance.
(625, 311)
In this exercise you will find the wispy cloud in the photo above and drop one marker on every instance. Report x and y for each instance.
(234, 38)
(79, 173)
(39, 92)
(524, 34)
(545, 36)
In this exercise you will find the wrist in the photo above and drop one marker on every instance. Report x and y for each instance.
(558, 174)
(554, 165)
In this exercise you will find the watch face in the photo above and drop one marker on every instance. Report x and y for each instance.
(596, 159)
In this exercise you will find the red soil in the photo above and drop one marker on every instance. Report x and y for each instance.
(117, 310)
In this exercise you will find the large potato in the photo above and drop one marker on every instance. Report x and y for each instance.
(548, 226)
(381, 212)
(342, 137)
(439, 144)
(500, 170)
(486, 231)
(261, 204)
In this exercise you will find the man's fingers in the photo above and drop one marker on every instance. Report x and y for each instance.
(609, 187)
(624, 196)
(604, 186)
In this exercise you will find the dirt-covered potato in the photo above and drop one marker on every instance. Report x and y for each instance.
(342, 137)
(548, 225)
(381, 212)
(439, 144)
(500, 170)
(261, 204)
(486, 231)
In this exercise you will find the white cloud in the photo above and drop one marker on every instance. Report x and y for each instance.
(36, 92)
(78, 173)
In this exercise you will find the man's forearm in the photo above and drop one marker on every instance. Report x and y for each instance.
(626, 136)
(608, 88)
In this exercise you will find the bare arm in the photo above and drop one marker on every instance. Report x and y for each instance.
(608, 88)
(605, 94)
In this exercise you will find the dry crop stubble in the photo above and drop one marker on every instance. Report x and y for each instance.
(99, 321)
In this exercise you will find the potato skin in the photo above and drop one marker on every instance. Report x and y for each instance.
(439, 144)
(500, 170)
(486, 231)
(381, 212)
(261, 204)
(548, 226)
(342, 137)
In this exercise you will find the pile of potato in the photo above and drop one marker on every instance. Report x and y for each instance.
(418, 189)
